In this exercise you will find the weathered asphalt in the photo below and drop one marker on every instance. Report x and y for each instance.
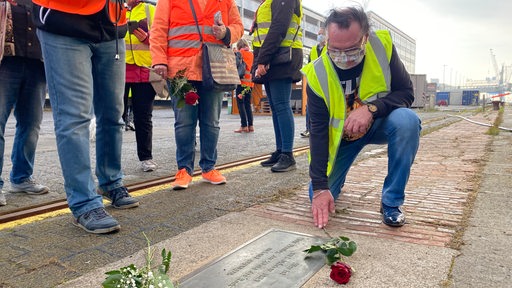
(458, 207)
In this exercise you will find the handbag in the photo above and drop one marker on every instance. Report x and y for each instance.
(283, 55)
(219, 69)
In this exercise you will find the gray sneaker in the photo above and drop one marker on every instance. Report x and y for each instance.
(97, 221)
(29, 186)
(148, 165)
(120, 198)
(3, 202)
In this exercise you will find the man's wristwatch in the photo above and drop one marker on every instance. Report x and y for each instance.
(372, 108)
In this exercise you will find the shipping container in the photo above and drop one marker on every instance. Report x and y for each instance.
(443, 98)
(456, 97)
(470, 97)
(419, 83)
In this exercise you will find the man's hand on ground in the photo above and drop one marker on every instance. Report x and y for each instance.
(321, 206)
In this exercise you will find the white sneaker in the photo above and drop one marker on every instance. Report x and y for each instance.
(148, 165)
(3, 202)
(29, 186)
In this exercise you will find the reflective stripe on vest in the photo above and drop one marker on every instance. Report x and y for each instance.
(375, 78)
(177, 32)
(263, 22)
(182, 37)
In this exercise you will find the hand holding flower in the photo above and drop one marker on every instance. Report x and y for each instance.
(182, 91)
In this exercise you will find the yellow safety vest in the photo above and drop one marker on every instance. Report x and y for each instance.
(375, 82)
(263, 21)
(136, 52)
(314, 52)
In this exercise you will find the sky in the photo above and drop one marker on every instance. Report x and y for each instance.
(453, 37)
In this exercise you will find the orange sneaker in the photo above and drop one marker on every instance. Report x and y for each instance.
(181, 180)
(214, 177)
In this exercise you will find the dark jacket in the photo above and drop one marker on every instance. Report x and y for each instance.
(282, 12)
(401, 95)
(26, 43)
(95, 28)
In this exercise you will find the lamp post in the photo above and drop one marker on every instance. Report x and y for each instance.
(444, 85)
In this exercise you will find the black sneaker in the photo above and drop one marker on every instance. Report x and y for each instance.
(120, 198)
(392, 216)
(272, 160)
(97, 221)
(285, 163)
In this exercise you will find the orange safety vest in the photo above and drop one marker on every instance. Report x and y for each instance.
(183, 39)
(248, 58)
(116, 8)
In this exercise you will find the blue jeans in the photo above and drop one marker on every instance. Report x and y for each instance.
(84, 77)
(401, 131)
(22, 87)
(207, 113)
(279, 93)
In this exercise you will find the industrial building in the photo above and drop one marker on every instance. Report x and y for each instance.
(312, 21)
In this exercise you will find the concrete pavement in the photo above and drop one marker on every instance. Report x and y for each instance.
(458, 207)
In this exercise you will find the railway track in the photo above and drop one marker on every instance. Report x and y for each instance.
(50, 206)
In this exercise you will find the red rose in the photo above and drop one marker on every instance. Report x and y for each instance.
(340, 272)
(191, 98)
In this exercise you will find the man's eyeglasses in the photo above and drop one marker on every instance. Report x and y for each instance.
(350, 54)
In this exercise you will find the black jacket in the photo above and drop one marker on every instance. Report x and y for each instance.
(26, 43)
(401, 95)
(282, 12)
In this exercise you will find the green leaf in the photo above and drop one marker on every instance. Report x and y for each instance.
(113, 272)
(166, 261)
(181, 103)
(112, 281)
(332, 256)
(343, 238)
(352, 245)
(347, 249)
(313, 248)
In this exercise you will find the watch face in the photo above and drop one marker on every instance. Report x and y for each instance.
(372, 108)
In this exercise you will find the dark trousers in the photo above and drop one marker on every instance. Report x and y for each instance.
(244, 107)
(143, 96)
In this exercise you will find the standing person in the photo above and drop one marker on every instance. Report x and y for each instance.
(22, 88)
(361, 68)
(173, 27)
(273, 20)
(316, 51)
(84, 52)
(138, 61)
(244, 91)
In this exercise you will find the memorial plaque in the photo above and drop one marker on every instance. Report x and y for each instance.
(274, 259)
